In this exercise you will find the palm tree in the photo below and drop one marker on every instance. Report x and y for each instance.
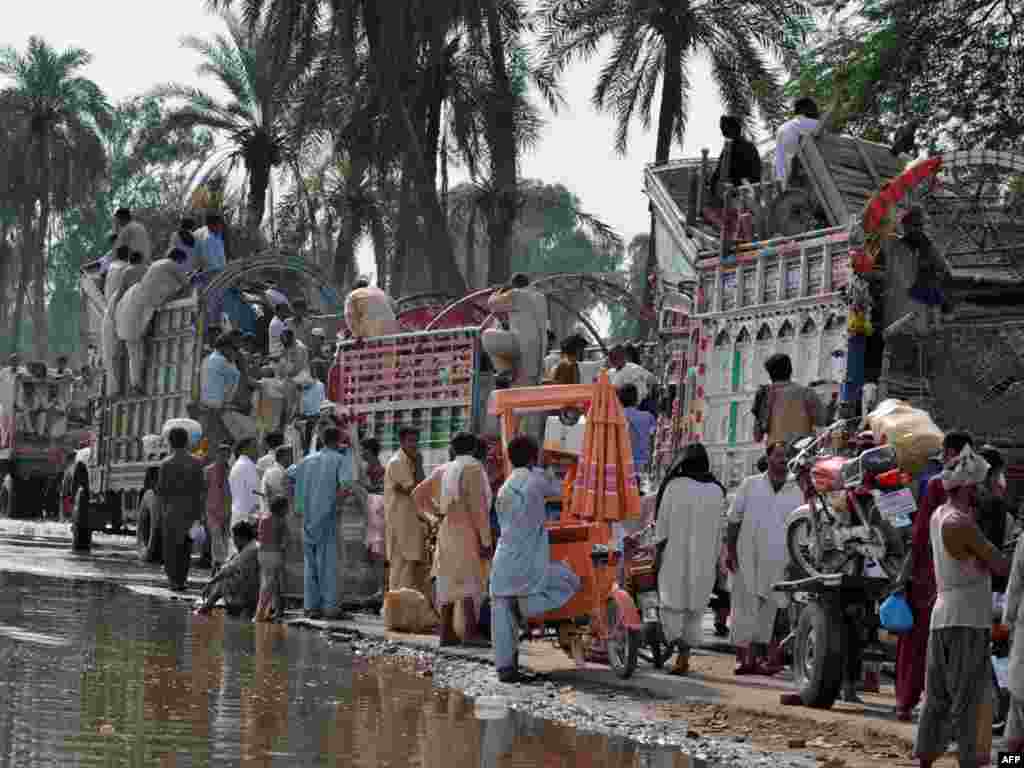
(654, 42)
(258, 124)
(57, 117)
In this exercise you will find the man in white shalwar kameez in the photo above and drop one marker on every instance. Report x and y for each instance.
(757, 545)
(691, 507)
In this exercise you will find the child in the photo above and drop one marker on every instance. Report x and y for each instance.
(273, 535)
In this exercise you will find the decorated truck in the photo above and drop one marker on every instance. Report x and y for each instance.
(175, 345)
(43, 422)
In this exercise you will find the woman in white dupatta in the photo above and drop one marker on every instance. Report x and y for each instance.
(690, 512)
(464, 538)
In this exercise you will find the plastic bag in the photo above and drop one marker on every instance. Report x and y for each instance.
(197, 534)
(895, 614)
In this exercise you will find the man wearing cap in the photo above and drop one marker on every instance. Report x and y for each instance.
(519, 351)
(958, 676)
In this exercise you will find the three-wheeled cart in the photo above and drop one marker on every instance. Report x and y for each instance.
(601, 622)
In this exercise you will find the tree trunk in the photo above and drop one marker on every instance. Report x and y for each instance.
(259, 183)
(501, 218)
(21, 287)
(671, 100)
(40, 326)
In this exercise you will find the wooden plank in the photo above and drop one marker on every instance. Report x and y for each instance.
(869, 163)
(821, 178)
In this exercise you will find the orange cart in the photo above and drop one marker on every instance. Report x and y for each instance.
(601, 623)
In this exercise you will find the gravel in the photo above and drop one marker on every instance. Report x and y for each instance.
(614, 714)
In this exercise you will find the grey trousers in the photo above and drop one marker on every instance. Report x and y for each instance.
(958, 678)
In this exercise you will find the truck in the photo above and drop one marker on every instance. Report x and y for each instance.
(801, 270)
(43, 422)
(175, 347)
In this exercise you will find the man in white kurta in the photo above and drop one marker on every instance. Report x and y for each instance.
(689, 528)
(525, 340)
(757, 555)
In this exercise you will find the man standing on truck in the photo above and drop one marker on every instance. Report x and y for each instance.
(218, 381)
(318, 482)
(211, 258)
(788, 411)
(368, 311)
(405, 532)
(179, 491)
(527, 311)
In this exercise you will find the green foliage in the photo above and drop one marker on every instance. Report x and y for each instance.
(954, 67)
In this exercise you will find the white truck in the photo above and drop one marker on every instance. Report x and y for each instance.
(174, 350)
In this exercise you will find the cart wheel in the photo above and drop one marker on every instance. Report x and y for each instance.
(1001, 706)
(818, 655)
(660, 651)
(623, 644)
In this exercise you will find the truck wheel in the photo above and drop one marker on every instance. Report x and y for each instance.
(81, 533)
(147, 536)
(818, 655)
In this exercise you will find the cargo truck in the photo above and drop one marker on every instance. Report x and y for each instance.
(42, 423)
(174, 350)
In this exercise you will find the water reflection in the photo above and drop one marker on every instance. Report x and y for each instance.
(95, 675)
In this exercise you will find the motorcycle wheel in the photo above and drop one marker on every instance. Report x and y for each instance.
(818, 655)
(800, 545)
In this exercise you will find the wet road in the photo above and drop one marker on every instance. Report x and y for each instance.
(93, 673)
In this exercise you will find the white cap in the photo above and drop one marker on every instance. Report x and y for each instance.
(318, 332)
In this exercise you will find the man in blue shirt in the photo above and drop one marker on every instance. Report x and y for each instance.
(524, 581)
(641, 428)
(210, 258)
(317, 482)
(218, 381)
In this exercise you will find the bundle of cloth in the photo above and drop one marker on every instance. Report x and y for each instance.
(135, 310)
(132, 254)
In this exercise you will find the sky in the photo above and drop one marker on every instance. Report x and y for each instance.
(577, 149)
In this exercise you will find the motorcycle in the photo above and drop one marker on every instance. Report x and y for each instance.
(857, 510)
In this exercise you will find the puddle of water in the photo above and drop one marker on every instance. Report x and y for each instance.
(97, 675)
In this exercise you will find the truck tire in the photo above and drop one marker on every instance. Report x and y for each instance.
(147, 536)
(818, 655)
(81, 533)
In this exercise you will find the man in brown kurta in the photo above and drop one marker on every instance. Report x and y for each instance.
(179, 490)
(459, 488)
(405, 533)
(791, 410)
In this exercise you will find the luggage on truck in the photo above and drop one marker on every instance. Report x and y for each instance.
(909, 430)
